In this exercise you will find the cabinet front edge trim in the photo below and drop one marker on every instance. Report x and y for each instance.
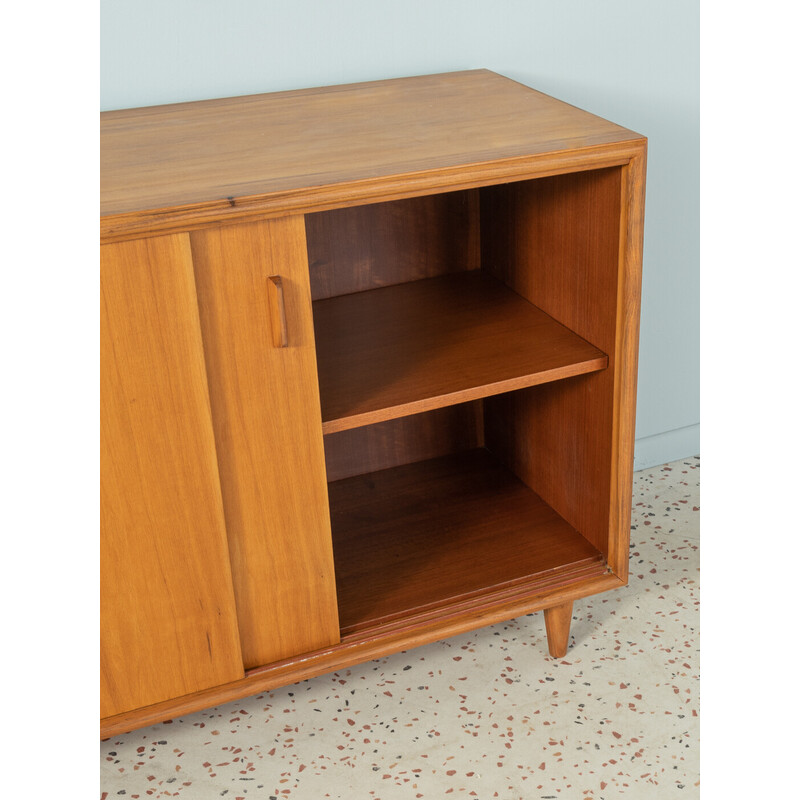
(158, 222)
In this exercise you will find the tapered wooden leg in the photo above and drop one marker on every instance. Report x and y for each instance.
(556, 621)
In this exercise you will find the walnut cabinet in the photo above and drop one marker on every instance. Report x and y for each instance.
(368, 372)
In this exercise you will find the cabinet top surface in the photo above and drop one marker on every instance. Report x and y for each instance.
(233, 149)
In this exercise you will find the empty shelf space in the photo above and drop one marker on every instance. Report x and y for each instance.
(400, 350)
(445, 532)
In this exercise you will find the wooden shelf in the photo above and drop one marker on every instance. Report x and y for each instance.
(400, 350)
(444, 533)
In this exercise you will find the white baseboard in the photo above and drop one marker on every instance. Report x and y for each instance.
(651, 451)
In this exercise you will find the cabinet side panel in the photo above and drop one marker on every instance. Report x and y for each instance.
(267, 423)
(556, 241)
(382, 244)
(626, 358)
(168, 618)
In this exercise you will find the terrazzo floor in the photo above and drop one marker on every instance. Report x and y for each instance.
(487, 714)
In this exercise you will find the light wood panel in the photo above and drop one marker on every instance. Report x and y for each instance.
(217, 156)
(432, 343)
(168, 624)
(366, 247)
(269, 438)
(559, 242)
(404, 440)
(436, 532)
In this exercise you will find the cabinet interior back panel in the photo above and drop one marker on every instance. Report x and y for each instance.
(381, 244)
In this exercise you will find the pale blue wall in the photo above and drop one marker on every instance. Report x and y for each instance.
(635, 62)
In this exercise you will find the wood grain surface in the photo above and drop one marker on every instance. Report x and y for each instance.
(557, 620)
(423, 345)
(167, 615)
(556, 241)
(404, 440)
(269, 439)
(381, 244)
(173, 155)
(433, 533)
(208, 160)
(629, 291)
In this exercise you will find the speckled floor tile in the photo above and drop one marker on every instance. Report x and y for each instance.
(484, 715)
(667, 498)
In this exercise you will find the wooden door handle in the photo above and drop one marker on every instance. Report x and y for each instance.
(277, 311)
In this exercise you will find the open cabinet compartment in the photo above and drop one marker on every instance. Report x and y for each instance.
(465, 351)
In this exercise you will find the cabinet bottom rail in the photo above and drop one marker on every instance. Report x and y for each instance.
(355, 649)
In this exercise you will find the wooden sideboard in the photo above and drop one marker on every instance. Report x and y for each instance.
(368, 378)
